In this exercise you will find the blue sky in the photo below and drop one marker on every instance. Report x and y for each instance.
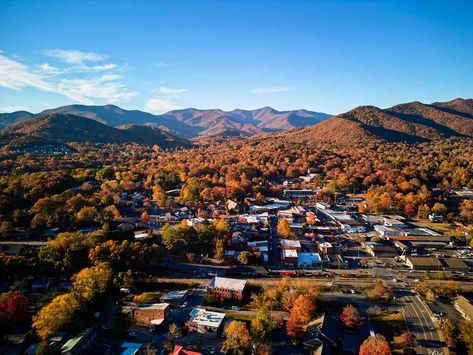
(327, 56)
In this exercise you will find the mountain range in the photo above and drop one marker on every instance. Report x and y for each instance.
(410, 122)
(57, 128)
(186, 123)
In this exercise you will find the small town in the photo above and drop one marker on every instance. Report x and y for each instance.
(237, 177)
(307, 272)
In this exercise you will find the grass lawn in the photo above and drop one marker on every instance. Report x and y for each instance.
(440, 227)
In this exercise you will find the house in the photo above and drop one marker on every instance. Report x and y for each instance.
(232, 206)
(326, 248)
(175, 297)
(464, 306)
(387, 231)
(380, 250)
(289, 244)
(81, 343)
(436, 218)
(130, 348)
(299, 193)
(309, 261)
(180, 350)
(290, 257)
(203, 321)
(151, 314)
(223, 288)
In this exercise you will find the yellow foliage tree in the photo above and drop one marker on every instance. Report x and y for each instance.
(56, 315)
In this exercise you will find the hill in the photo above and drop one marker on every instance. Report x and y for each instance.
(64, 128)
(410, 122)
(186, 123)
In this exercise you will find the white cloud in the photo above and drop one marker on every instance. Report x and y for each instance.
(160, 105)
(171, 92)
(272, 89)
(13, 108)
(75, 57)
(16, 76)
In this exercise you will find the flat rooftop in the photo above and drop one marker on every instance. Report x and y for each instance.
(206, 318)
(228, 284)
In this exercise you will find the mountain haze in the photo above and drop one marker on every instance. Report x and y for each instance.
(65, 128)
(186, 123)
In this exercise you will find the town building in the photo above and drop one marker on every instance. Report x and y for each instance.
(290, 257)
(131, 348)
(180, 350)
(326, 248)
(175, 297)
(289, 244)
(151, 314)
(204, 321)
(223, 288)
(309, 261)
(81, 343)
(464, 306)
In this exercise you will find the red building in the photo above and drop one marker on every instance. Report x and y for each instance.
(222, 287)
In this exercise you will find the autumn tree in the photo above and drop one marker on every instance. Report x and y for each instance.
(351, 317)
(262, 326)
(173, 333)
(219, 249)
(13, 306)
(295, 329)
(406, 340)
(284, 228)
(303, 309)
(375, 345)
(237, 338)
(56, 315)
(92, 282)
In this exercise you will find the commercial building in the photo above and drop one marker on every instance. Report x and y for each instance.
(290, 257)
(203, 321)
(223, 288)
(309, 261)
(151, 314)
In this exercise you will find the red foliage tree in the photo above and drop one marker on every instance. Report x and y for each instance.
(351, 317)
(13, 306)
(295, 329)
(375, 345)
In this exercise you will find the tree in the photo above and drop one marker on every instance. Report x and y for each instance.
(439, 208)
(381, 292)
(6, 229)
(284, 228)
(56, 315)
(171, 336)
(145, 217)
(406, 340)
(303, 309)
(219, 250)
(262, 326)
(375, 345)
(351, 317)
(222, 226)
(120, 323)
(237, 339)
(92, 282)
(311, 218)
(295, 329)
(13, 306)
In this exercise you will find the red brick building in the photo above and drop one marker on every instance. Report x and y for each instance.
(147, 313)
(223, 287)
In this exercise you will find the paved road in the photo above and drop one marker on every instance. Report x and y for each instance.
(420, 323)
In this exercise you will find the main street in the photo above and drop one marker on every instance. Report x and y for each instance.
(420, 323)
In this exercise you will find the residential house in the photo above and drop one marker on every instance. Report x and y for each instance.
(80, 344)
